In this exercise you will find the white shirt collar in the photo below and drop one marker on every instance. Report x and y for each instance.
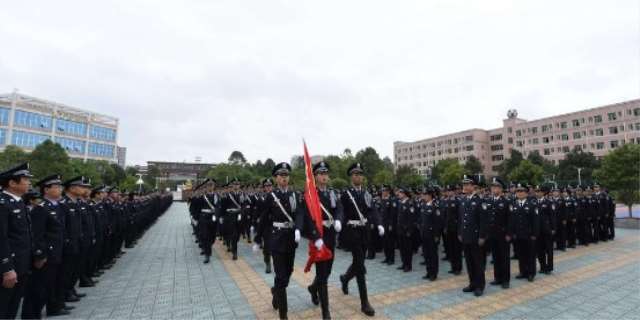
(16, 198)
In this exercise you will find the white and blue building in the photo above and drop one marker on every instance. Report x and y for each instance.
(27, 121)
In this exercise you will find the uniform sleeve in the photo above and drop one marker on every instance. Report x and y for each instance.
(460, 213)
(511, 225)
(535, 219)
(482, 221)
(38, 230)
(263, 220)
(6, 262)
(339, 211)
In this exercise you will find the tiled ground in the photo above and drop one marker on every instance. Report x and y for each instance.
(163, 277)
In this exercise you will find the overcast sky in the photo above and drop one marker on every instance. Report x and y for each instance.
(203, 78)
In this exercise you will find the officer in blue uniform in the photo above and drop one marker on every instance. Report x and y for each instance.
(524, 227)
(472, 232)
(430, 221)
(497, 207)
(388, 208)
(547, 216)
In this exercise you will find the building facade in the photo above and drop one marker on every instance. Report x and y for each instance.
(597, 130)
(28, 121)
(179, 171)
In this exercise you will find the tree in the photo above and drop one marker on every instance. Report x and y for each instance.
(12, 156)
(473, 165)
(527, 172)
(620, 172)
(505, 168)
(440, 167)
(388, 164)
(50, 158)
(452, 174)
(237, 157)
(550, 170)
(370, 161)
(408, 176)
(383, 177)
(86, 169)
(339, 183)
(118, 175)
(568, 167)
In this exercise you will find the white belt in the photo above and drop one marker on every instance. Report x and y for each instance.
(283, 225)
(356, 223)
(327, 223)
(206, 210)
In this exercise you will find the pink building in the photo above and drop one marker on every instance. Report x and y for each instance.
(597, 130)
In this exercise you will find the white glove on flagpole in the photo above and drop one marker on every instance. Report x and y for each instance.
(297, 236)
(337, 225)
(381, 231)
(318, 243)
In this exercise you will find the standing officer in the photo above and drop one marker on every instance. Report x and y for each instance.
(430, 226)
(547, 216)
(88, 235)
(524, 227)
(407, 221)
(71, 259)
(358, 209)
(570, 205)
(561, 219)
(451, 241)
(583, 212)
(15, 239)
(497, 207)
(472, 232)
(387, 206)
(331, 208)
(280, 210)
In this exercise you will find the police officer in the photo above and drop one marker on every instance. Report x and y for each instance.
(524, 227)
(332, 215)
(88, 235)
(561, 219)
(264, 241)
(16, 255)
(231, 207)
(71, 259)
(387, 206)
(570, 205)
(430, 226)
(281, 207)
(207, 220)
(547, 216)
(583, 213)
(451, 241)
(407, 221)
(358, 208)
(497, 207)
(472, 232)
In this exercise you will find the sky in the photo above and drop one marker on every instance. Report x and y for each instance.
(201, 78)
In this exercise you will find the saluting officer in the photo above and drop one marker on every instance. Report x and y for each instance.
(524, 227)
(472, 232)
(280, 210)
(15, 239)
(430, 226)
(498, 225)
(331, 208)
(358, 208)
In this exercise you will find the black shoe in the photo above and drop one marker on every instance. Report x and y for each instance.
(345, 284)
(314, 294)
(400, 267)
(268, 269)
(433, 278)
(79, 295)
(542, 271)
(445, 258)
(371, 257)
(521, 276)
(71, 298)
(58, 313)
(548, 272)
(495, 283)
(426, 276)
(235, 256)
(368, 310)
(478, 292)
(274, 299)
(505, 285)
(530, 278)
(68, 308)
(206, 260)
(467, 289)
(457, 272)
(86, 285)
(407, 269)
(385, 261)
(423, 263)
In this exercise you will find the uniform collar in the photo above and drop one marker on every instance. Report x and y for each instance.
(16, 198)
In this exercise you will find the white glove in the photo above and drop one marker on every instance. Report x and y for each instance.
(213, 218)
(195, 223)
(255, 247)
(252, 230)
(337, 226)
(381, 231)
(239, 217)
(297, 236)
(318, 243)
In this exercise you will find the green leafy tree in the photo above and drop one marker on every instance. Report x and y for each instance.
(86, 169)
(237, 157)
(339, 183)
(440, 167)
(508, 165)
(550, 170)
(383, 176)
(50, 158)
(371, 161)
(620, 172)
(473, 165)
(452, 174)
(408, 176)
(527, 172)
(568, 167)
(12, 156)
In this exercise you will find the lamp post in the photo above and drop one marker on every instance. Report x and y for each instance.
(140, 182)
(579, 177)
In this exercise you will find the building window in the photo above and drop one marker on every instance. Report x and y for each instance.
(469, 148)
(535, 140)
(509, 130)
(576, 135)
(545, 140)
(496, 147)
(4, 116)
(32, 120)
(547, 152)
(496, 137)
(468, 138)
(108, 134)
(27, 139)
(71, 127)
(546, 127)
(636, 112)
(519, 143)
(3, 137)
(564, 137)
(518, 133)
(565, 149)
(510, 140)
(101, 150)
(600, 145)
(497, 157)
(563, 124)
(613, 144)
(599, 132)
(597, 119)
(534, 130)
(612, 116)
(613, 130)
(575, 122)
(71, 145)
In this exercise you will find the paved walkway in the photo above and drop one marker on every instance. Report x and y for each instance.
(163, 278)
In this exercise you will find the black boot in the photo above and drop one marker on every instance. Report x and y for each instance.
(282, 303)
(267, 262)
(274, 298)
(344, 279)
(364, 298)
(324, 301)
(206, 259)
(313, 290)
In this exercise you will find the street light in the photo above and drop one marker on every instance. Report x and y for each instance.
(579, 178)
(139, 183)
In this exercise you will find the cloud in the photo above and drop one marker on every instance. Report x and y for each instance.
(203, 78)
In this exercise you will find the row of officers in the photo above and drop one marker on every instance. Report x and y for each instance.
(61, 235)
(470, 222)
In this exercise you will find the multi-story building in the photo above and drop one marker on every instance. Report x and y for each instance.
(597, 130)
(28, 121)
(180, 171)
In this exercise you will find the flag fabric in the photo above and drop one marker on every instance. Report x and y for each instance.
(312, 201)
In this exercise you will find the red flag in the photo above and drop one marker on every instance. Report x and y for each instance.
(313, 206)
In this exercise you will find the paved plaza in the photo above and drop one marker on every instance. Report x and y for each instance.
(163, 277)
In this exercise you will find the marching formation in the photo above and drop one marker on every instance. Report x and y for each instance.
(470, 221)
(63, 235)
